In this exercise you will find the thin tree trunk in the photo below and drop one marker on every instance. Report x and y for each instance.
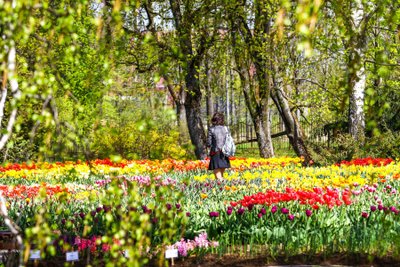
(357, 76)
(209, 101)
(292, 126)
(16, 94)
(356, 106)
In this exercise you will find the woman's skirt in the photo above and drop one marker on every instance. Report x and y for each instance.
(218, 160)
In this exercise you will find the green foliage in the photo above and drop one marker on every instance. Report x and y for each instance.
(130, 225)
(385, 145)
(124, 131)
(344, 147)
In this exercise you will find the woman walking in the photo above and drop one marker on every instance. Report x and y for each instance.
(215, 141)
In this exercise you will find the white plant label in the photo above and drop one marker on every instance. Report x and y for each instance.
(72, 256)
(171, 253)
(34, 255)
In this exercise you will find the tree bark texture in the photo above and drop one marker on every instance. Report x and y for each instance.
(193, 114)
(357, 77)
(292, 126)
(259, 116)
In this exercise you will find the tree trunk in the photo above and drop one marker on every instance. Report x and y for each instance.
(9, 78)
(258, 106)
(357, 84)
(182, 121)
(193, 112)
(262, 126)
(185, 25)
(209, 101)
(259, 116)
(357, 77)
(293, 128)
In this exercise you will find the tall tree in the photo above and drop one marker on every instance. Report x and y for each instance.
(183, 31)
(254, 41)
(355, 20)
(261, 42)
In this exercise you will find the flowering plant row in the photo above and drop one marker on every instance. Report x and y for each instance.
(275, 206)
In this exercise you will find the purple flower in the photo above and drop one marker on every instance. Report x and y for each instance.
(308, 213)
(250, 206)
(285, 210)
(154, 220)
(187, 214)
(385, 209)
(182, 247)
(82, 215)
(93, 213)
(380, 207)
(63, 221)
(240, 211)
(98, 209)
(169, 206)
(178, 206)
(263, 211)
(373, 208)
(214, 214)
(291, 216)
(274, 209)
(229, 211)
(393, 209)
(364, 214)
(259, 215)
(201, 240)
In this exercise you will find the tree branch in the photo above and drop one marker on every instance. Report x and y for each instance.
(382, 64)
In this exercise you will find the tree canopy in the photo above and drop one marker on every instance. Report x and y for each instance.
(141, 79)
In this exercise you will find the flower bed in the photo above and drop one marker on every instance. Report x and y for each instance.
(271, 207)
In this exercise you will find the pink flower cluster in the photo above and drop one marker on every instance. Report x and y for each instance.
(201, 241)
(91, 244)
(84, 243)
(145, 180)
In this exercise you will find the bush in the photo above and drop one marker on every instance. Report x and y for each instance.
(344, 147)
(147, 136)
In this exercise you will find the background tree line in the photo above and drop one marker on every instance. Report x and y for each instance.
(141, 79)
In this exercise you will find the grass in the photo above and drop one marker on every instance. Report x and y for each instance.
(250, 150)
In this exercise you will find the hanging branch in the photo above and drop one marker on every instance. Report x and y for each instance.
(14, 228)
(10, 75)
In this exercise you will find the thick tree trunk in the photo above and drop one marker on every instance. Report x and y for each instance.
(193, 113)
(184, 24)
(293, 128)
(262, 126)
(258, 108)
(259, 114)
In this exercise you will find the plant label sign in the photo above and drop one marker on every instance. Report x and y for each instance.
(171, 253)
(34, 255)
(72, 256)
